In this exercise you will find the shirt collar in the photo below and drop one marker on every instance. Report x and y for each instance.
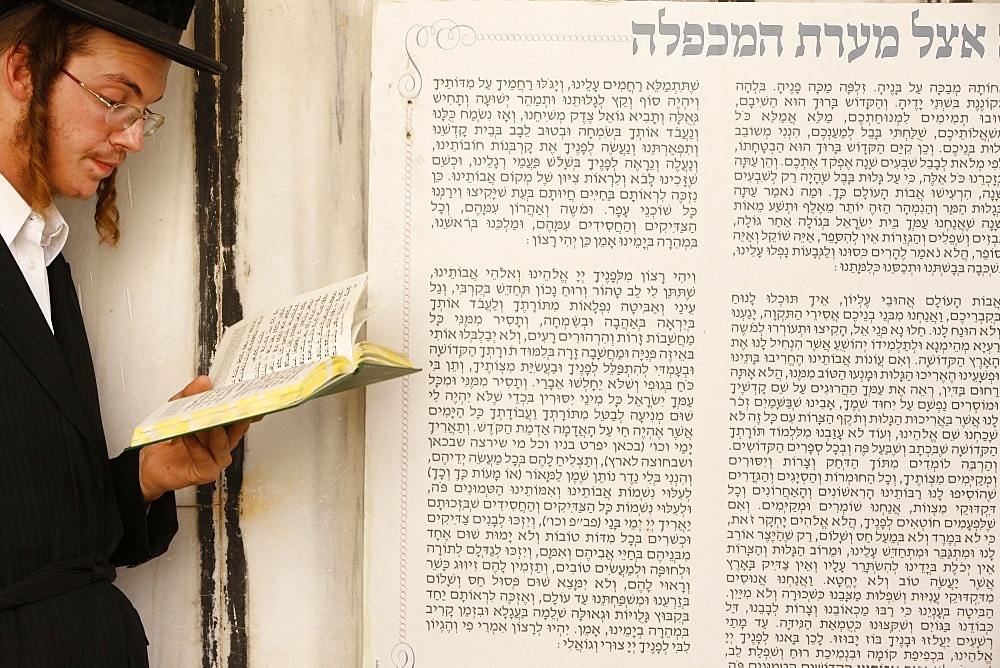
(14, 212)
(54, 234)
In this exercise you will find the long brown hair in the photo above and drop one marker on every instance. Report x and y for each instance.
(51, 37)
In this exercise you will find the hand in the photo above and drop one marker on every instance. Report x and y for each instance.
(193, 459)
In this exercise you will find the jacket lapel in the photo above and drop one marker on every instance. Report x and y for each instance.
(24, 328)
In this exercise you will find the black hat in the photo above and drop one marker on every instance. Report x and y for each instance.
(155, 24)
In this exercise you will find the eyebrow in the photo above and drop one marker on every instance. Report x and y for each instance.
(128, 83)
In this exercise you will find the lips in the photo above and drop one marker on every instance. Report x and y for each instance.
(107, 165)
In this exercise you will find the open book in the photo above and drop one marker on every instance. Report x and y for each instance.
(281, 358)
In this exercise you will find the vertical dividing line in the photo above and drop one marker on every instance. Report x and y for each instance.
(223, 587)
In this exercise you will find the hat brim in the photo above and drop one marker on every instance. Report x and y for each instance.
(117, 25)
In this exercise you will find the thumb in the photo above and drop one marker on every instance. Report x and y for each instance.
(196, 386)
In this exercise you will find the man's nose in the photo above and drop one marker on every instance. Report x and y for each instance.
(131, 138)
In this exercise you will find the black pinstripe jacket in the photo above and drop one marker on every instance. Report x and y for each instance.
(61, 499)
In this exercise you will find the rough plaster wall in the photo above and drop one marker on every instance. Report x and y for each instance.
(302, 226)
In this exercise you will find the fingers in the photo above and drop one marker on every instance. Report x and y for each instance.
(212, 448)
(237, 431)
(192, 459)
(214, 443)
(220, 447)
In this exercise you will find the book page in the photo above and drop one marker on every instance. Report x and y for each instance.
(232, 393)
(312, 327)
(706, 299)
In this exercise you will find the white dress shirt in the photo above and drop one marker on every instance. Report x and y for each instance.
(34, 239)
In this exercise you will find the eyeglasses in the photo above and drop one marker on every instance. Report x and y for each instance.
(122, 116)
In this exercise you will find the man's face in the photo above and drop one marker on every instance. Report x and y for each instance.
(83, 149)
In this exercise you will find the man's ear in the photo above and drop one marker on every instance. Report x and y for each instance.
(16, 74)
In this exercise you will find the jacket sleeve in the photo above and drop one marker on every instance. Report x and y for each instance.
(148, 528)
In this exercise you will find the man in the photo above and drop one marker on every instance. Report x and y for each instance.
(77, 81)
